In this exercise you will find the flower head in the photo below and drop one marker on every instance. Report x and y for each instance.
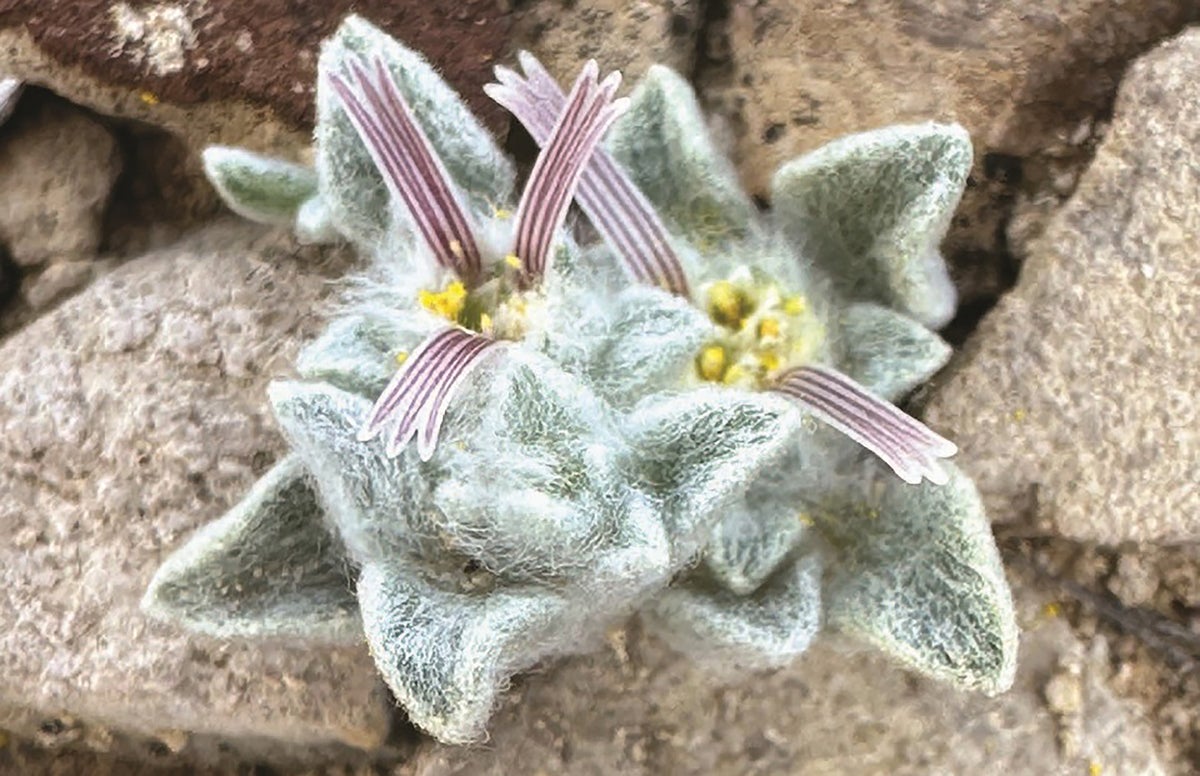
(488, 293)
(766, 332)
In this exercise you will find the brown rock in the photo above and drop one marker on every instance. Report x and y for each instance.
(619, 35)
(1020, 76)
(833, 712)
(1075, 402)
(57, 166)
(132, 414)
(258, 52)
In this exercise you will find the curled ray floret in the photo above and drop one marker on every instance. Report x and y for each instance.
(415, 402)
(691, 446)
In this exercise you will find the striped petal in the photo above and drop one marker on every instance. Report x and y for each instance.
(909, 447)
(415, 401)
(412, 170)
(617, 208)
(590, 110)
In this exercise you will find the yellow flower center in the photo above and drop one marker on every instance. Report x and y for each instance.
(761, 331)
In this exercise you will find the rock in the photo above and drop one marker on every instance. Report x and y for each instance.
(132, 414)
(58, 280)
(619, 35)
(58, 166)
(830, 713)
(227, 71)
(1025, 78)
(1074, 404)
(1020, 76)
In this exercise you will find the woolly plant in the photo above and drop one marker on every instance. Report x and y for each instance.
(504, 442)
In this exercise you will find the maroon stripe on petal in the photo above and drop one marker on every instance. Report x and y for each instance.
(907, 446)
(423, 385)
(617, 208)
(411, 169)
(433, 413)
(590, 111)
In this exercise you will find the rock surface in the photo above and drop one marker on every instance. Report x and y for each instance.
(619, 35)
(132, 414)
(1074, 404)
(641, 709)
(58, 166)
(260, 53)
(1020, 76)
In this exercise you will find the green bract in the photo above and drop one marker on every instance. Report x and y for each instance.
(500, 446)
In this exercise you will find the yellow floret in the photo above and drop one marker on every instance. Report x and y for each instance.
(402, 356)
(513, 261)
(502, 214)
(711, 363)
(727, 305)
(768, 361)
(795, 305)
(448, 303)
(768, 329)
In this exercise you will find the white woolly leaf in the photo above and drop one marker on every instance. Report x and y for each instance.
(637, 342)
(751, 541)
(314, 223)
(378, 504)
(766, 629)
(919, 577)
(446, 653)
(257, 187)
(888, 352)
(268, 569)
(663, 144)
(699, 450)
(357, 353)
(871, 209)
(353, 188)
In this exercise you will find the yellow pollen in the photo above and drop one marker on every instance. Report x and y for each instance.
(1052, 610)
(402, 356)
(712, 363)
(485, 323)
(768, 329)
(150, 98)
(1095, 768)
(795, 305)
(502, 214)
(735, 373)
(1018, 415)
(727, 305)
(805, 518)
(768, 360)
(513, 261)
(448, 303)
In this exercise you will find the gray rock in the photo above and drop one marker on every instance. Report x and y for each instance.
(132, 414)
(1075, 403)
(639, 709)
(58, 167)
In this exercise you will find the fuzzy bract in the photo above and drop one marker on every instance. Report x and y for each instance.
(504, 442)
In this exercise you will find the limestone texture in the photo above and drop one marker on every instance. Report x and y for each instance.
(132, 414)
(1075, 402)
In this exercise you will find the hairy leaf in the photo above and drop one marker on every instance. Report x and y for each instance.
(920, 578)
(887, 352)
(447, 653)
(871, 209)
(260, 188)
(268, 569)
(766, 629)
(663, 144)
